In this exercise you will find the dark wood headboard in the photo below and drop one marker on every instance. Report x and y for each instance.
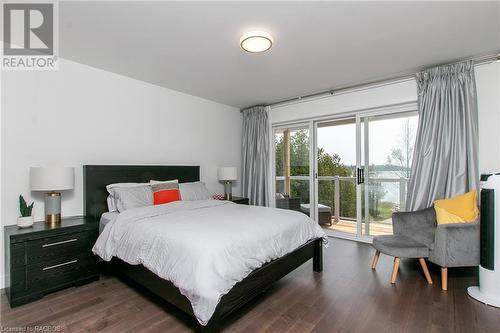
(96, 177)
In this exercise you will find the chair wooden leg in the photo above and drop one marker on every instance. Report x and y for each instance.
(375, 259)
(395, 270)
(426, 271)
(444, 278)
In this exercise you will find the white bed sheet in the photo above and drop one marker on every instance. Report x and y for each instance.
(106, 218)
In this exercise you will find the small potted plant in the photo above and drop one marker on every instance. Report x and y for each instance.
(25, 220)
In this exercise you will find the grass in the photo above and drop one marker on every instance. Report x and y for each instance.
(385, 211)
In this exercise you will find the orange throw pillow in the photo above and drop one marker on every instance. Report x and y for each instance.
(166, 196)
(165, 192)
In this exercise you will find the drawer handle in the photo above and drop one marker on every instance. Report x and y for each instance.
(61, 242)
(59, 265)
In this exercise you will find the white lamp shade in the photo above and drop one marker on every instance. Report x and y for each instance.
(228, 173)
(52, 178)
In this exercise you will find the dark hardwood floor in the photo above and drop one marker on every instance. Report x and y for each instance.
(347, 297)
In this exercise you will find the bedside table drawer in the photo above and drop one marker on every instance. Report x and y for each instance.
(57, 273)
(47, 249)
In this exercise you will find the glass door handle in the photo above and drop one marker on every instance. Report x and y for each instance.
(361, 175)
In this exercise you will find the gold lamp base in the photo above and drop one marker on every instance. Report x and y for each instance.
(53, 219)
(53, 208)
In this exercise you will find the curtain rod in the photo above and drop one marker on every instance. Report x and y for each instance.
(370, 84)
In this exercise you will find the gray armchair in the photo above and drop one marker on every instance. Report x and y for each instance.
(416, 235)
(455, 245)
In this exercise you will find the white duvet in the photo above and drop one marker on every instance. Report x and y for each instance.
(204, 247)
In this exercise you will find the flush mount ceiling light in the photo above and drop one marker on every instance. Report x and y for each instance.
(256, 41)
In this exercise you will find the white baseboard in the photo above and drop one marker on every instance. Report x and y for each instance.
(2, 281)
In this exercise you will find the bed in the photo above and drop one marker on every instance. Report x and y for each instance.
(96, 177)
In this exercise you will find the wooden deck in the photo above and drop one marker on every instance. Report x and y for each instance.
(350, 227)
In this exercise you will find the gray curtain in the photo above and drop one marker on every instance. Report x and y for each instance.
(445, 159)
(255, 164)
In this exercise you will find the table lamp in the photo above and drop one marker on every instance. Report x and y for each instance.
(51, 180)
(228, 175)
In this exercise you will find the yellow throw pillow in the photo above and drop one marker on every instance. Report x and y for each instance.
(459, 209)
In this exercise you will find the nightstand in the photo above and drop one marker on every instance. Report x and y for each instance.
(240, 200)
(45, 258)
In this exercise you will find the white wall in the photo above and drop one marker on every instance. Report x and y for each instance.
(488, 100)
(488, 94)
(389, 94)
(82, 115)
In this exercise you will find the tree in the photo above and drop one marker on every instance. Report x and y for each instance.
(376, 192)
(328, 165)
(331, 165)
(299, 153)
(299, 165)
(278, 144)
(401, 156)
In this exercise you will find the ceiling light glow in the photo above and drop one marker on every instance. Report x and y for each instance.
(256, 41)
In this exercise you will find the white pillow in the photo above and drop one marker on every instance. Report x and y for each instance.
(194, 191)
(112, 202)
(151, 182)
(111, 186)
(132, 197)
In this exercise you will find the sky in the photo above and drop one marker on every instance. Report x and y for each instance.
(384, 135)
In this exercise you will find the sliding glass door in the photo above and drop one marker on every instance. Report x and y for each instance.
(386, 150)
(349, 174)
(363, 165)
(336, 181)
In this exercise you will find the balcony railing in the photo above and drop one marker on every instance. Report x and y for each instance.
(399, 202)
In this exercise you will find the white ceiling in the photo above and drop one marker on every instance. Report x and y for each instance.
(193, 47)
